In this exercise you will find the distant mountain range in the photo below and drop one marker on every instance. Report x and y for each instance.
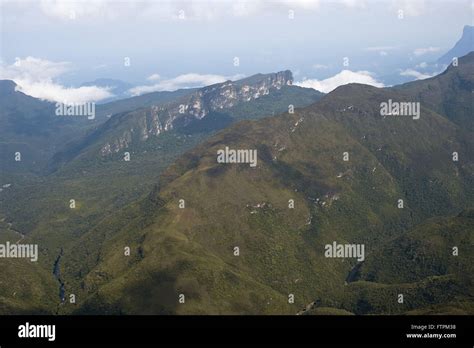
(195, 106)
(201, 110)
(432, 66)
(461, 48)
(31, 126)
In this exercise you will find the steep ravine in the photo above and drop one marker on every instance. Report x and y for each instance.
(57, 275)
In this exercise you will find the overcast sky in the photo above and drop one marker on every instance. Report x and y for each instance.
(50, 47)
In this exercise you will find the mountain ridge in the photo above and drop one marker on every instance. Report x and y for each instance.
(188, 113)
(300, 157)
(462, 47)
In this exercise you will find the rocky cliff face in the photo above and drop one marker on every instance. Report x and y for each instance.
(161, 118)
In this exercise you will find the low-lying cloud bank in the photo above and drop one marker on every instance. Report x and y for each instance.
(35, 77)
(182, 81)
(342, 78)
(416, 74)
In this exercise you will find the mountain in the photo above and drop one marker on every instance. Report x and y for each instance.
(141, 101)
(203, 110)
(80, 169)
(25, 287)
(191, 250)
(449, 93)
(462, 47)
(102, 185)
(117, 87)
(420, 263)
(196, 106)
(30, 125)
(419, 70)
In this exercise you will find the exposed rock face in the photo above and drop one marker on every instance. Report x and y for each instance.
(117, 145)
(227, 94)
(158, 119)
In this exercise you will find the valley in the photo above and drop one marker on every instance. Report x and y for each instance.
(331, 170)
(96, 193)
(282, 250)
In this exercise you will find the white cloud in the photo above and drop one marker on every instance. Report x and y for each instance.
(303, 4)
(71, 10)
(162, 9)
(342, 78)
(354, 3)
(170, 9)
(35, 77)
(182, 81)
(422, 65)
(153, 77)
(381, 48)
(57, 93)
(319, 66)
(424, 50)
(210, 9)
(416, 74)
(34, 69)
(412, 8)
